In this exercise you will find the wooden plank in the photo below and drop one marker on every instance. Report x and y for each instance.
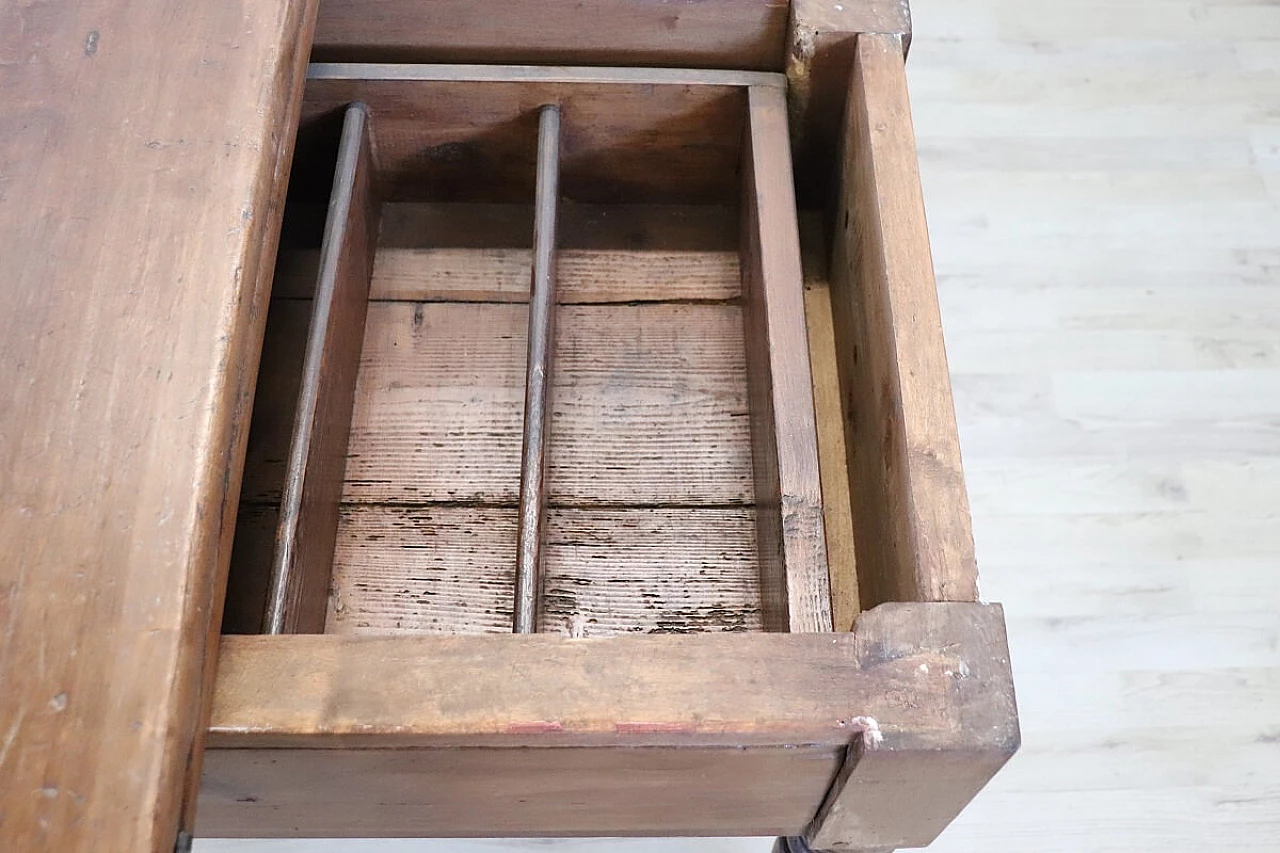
(712, 689)
(437, 793)
(820, 55)
(438, 406)
(463, 225)
(448, 569)
(585, 276)
(767, 718)
(415, 569)
(837, 515)
(706, 34)
(893, 794)
(299, 585)
(138, 220)
(630, 135)
(910, 508)
(793, 559)
(538, 369)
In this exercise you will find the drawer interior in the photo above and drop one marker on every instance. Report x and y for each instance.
(663, 404)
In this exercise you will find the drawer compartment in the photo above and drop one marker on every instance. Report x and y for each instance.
(677, 460)
(550, 517)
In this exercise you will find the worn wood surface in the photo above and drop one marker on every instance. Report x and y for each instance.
(675, 424)
(705, 34)
(383, 692)
(891, 793)
(929, 678)
(793, 557)
(138, 217)
(438, 793)
(539, 365)
(438, 407)
(427, 536)
(591, 276)
(651, 135)
(405, 569)
(837, 515)
(438, 419)
(820, 56)
(910, 509)
(299, 587)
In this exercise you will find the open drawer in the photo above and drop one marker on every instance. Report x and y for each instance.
(558, 466)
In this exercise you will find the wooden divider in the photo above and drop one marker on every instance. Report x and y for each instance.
(910, 509)
(303, 557)
(784, 439)
(537, 406)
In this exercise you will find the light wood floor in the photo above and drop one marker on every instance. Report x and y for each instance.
(1103, 184)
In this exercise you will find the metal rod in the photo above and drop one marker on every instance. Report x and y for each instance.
(537, 408)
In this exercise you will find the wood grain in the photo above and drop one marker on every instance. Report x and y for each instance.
(138, 220)
(437, 421)
(308, 513)
(424, 690)
(910, 509)
(890, 795)
(707, 34)
(630, 135)
(448, 569)
(793, 558)
(587, 276)
(436, 793)
(539, 365)
(820, 53)
(438, 406)
(837, 515)
(770, 731)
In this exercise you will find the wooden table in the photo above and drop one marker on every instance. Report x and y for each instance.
(143, 166)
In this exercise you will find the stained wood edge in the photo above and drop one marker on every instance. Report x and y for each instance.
(538, 367)
(891, 792)
(821, 40)
(910, 507)
(902, 666)
(303, 557)
(793, 558)
(227, 469)
(704, 34)
(486, 792)
(542, 74)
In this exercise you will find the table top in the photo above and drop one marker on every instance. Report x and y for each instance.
(139, 152)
